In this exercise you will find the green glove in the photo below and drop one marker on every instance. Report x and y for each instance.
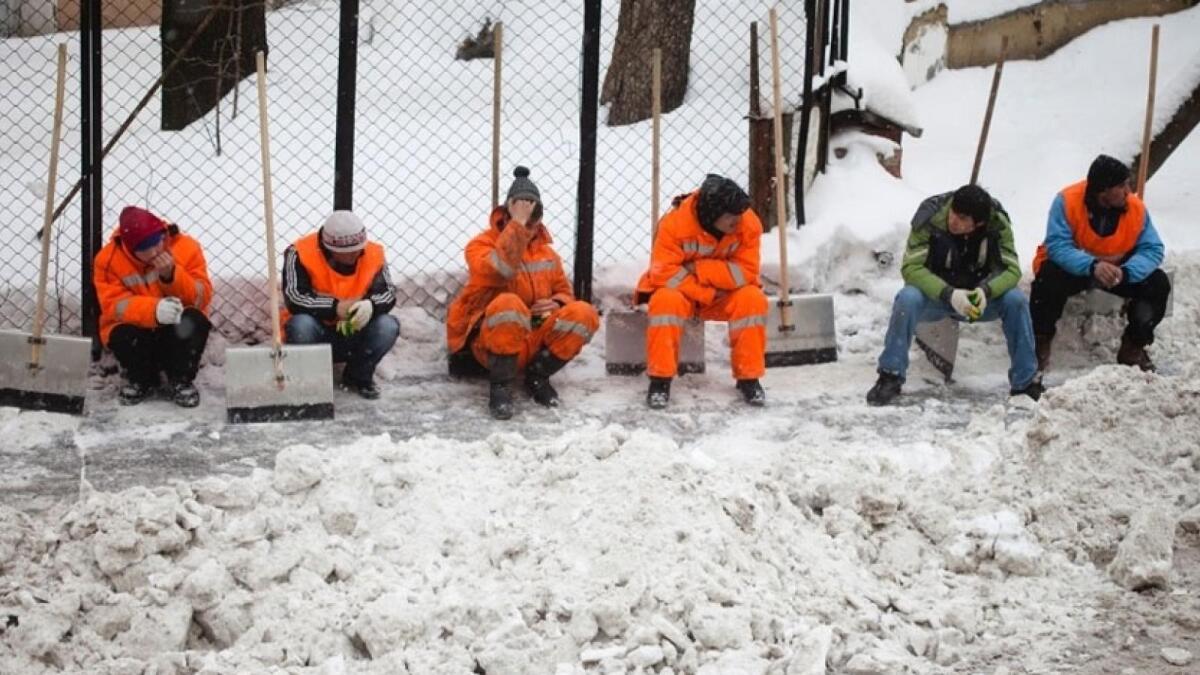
(345, 328)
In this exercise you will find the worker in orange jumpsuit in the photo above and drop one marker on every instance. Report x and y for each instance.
(153, 287)
(517, 310)
(705, 263)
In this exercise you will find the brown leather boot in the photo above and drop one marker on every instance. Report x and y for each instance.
(1131, 354)
(1042, 348)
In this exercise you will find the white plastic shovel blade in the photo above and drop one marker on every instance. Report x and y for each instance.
(57, 384)
(810, 335)
(252, 393)
(625, 343)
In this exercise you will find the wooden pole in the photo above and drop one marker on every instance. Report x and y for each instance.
(655, 152)
(991, 105)
(1144, 164)
(780, 194)
(269, 213)
(497, 69)
(39, 313)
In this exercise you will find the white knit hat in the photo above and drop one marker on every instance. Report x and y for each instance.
(344, 232)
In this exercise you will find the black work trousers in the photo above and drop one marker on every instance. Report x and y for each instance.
(173, 350)
(1147, 300)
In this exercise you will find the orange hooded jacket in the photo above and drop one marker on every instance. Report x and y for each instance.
(726, 264)
(129, 290)
(505, 259)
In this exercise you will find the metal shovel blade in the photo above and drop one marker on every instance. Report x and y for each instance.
(812, 337)
(253, 395)
(57, 384)
(625, 343)
(939, 341)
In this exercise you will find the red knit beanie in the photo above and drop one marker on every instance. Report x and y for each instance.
(139, 228)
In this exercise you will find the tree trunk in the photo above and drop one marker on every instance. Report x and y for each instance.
(642, 26)
(188, 92)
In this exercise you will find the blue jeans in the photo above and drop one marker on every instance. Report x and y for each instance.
(913, 306)
(360, 352)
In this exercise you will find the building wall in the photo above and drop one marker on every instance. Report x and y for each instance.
(116, 13)
(931, 43)
(27, 18)
(1037, 31)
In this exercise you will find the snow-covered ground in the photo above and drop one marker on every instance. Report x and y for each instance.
(959, 532)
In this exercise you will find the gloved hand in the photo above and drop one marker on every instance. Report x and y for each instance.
(359, 314)
(978, 297)
(960, 300)
(168, 311)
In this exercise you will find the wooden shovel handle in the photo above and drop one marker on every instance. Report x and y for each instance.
(1144, 163)
(497, 72)
(39, 312)
(260, 63)
(780, 189)
(656, 136)
(991, 106)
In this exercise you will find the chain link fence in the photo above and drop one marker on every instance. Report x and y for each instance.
(27, 78)
(423, 135)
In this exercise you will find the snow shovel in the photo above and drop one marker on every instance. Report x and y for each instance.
(939, 339)
(277, 383)
(38, 371)
(801, 332)
(625, 327)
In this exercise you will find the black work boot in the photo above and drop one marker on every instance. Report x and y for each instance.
(659, 394)
(133, 392)
(185, 394)
(1133, 354)
(502, 371)
(1042, 349)
(886, 388)
(364, 388)
(1033, 390)
(537, 378)
(752, 392)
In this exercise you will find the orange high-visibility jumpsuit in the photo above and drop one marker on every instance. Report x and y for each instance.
(510, 268)
(692, 274)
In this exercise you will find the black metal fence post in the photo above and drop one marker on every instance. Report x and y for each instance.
(802, 148)
(585, 215)
(343, 161)
(92, 127)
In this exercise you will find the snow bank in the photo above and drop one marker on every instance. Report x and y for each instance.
(605, 548)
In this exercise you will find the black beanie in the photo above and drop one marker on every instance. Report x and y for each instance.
(1106, 172)
(522, 187)
(719, 195)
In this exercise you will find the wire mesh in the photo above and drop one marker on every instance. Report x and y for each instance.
(423, 134)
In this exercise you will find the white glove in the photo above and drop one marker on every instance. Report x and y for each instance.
(960, 300)
(360, 313)
(168, 311)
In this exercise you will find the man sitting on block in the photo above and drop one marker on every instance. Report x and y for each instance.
(1099, 235)
(705, 263)
(960, 262)
(337, 291)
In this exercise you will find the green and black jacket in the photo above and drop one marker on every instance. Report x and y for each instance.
(938, 262)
